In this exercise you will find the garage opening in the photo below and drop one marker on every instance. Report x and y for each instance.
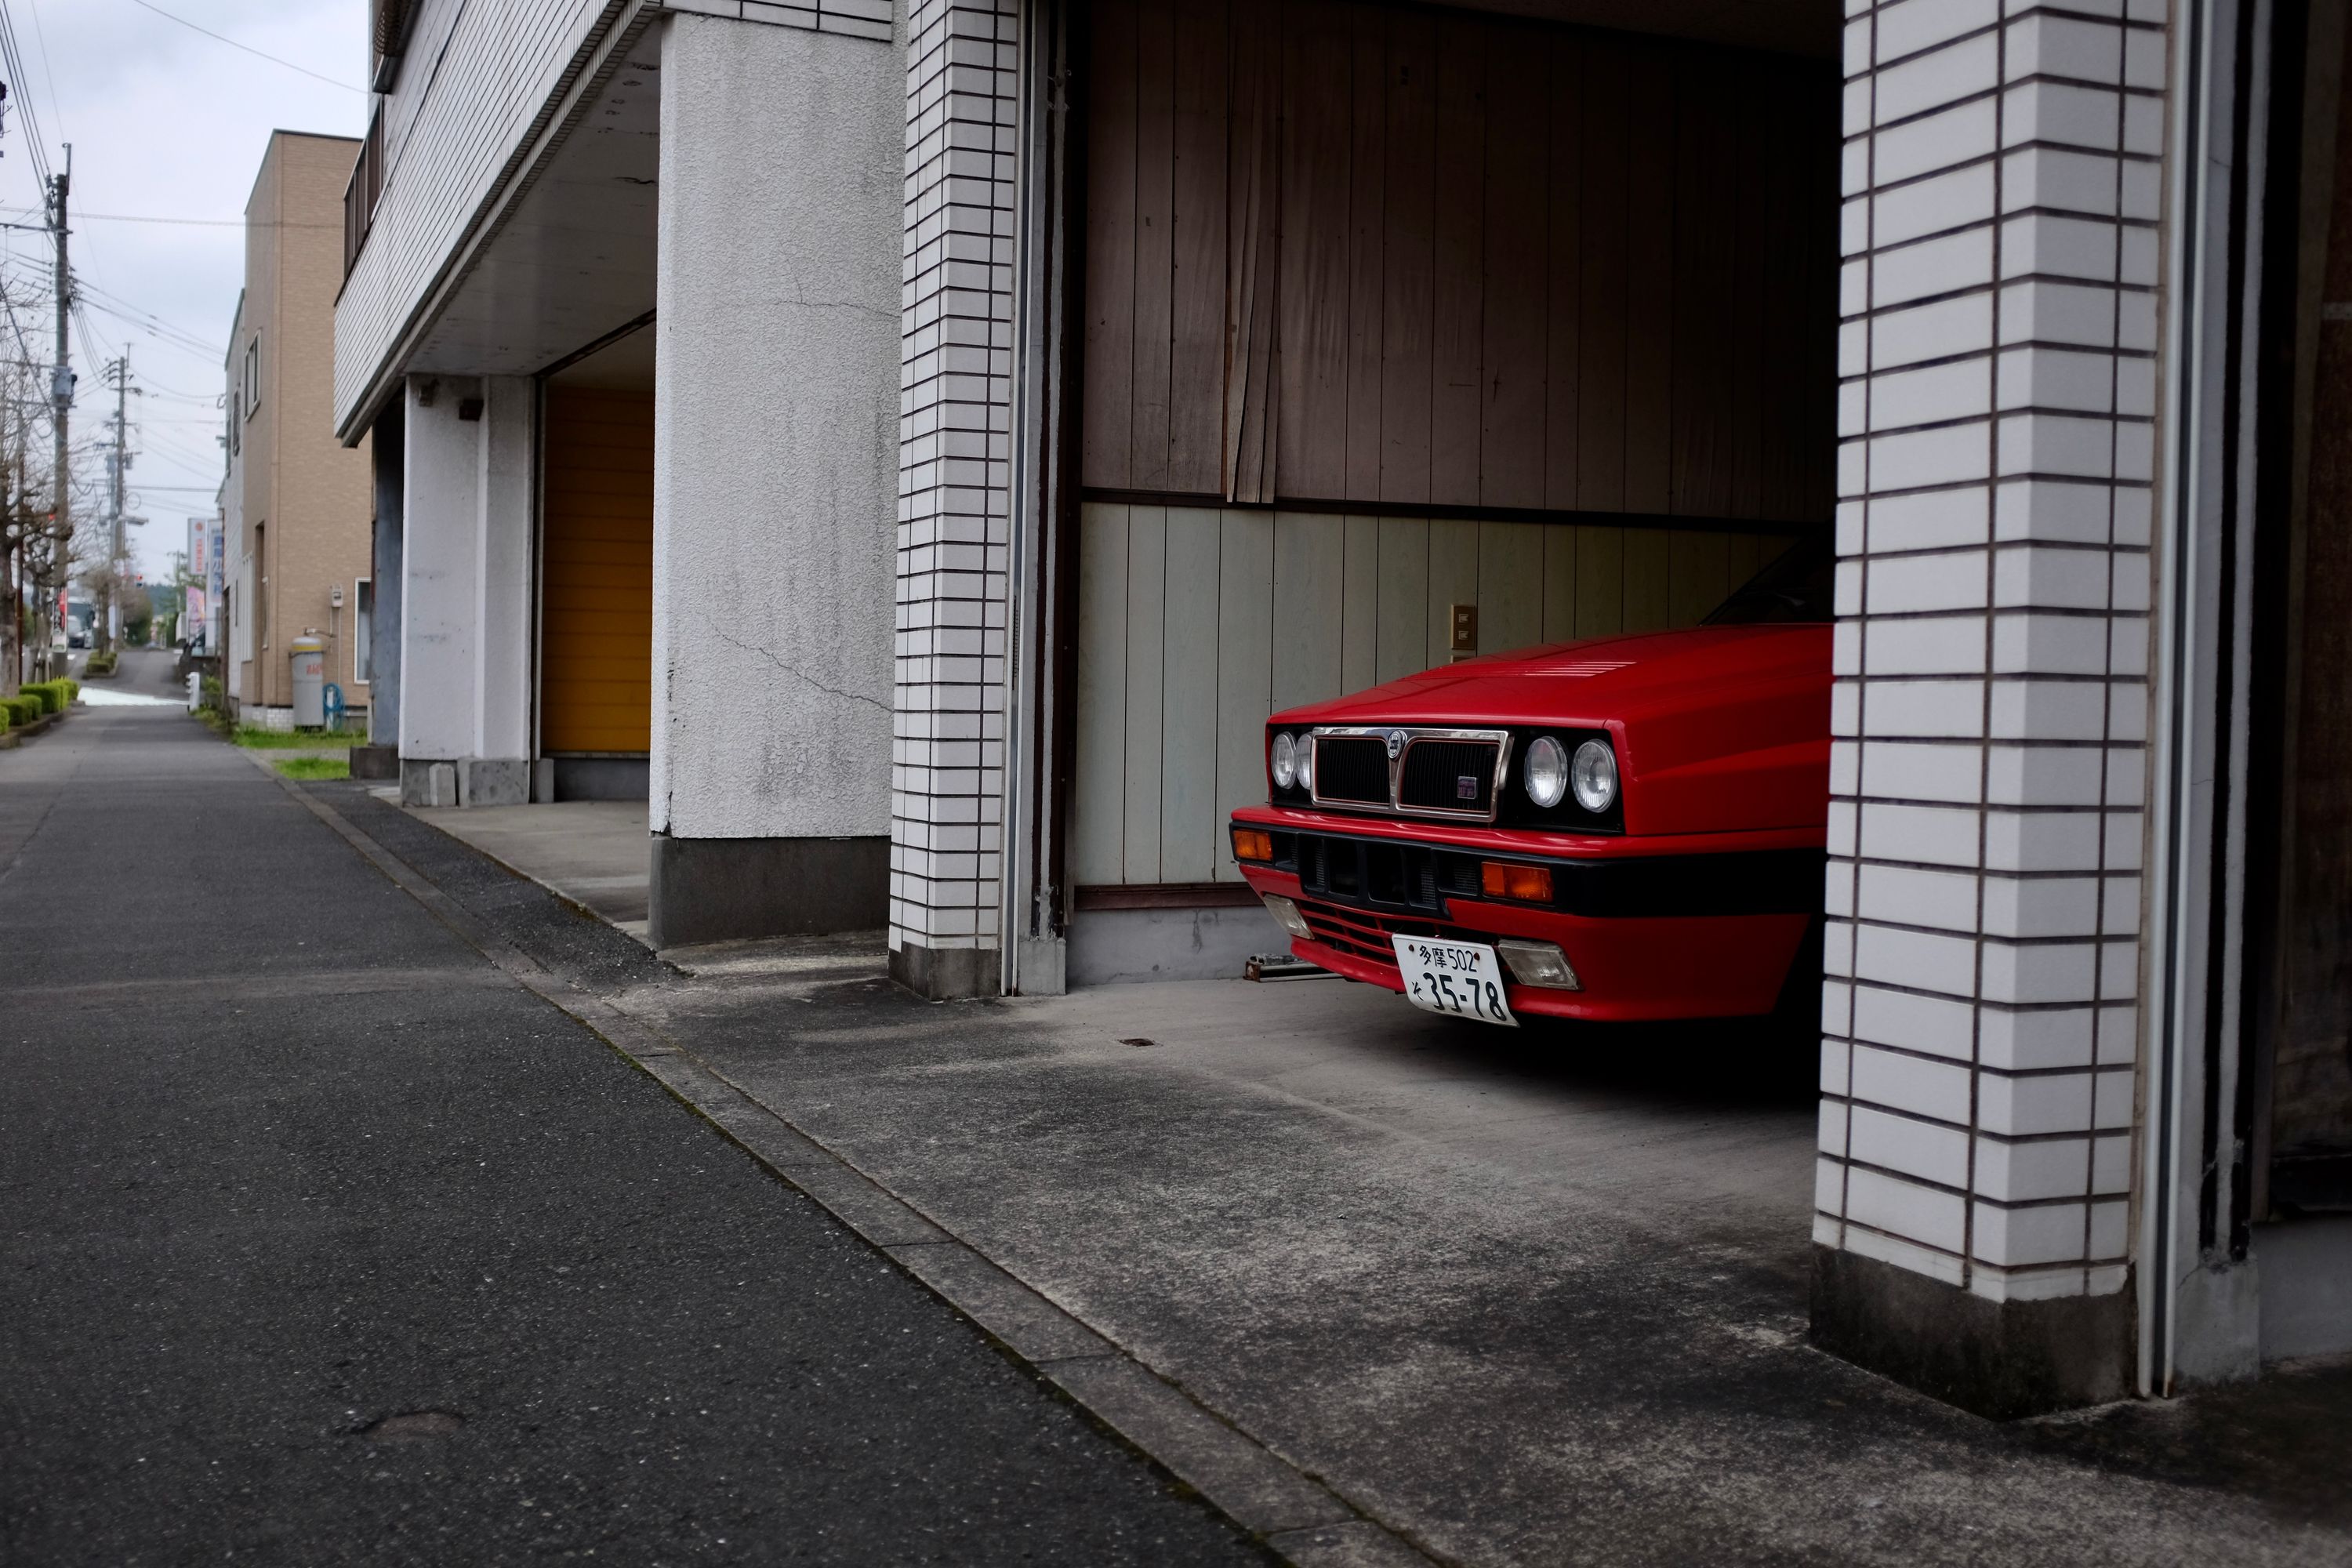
(597, 573)
(1410, 333)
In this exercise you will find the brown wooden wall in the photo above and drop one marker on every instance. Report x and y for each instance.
(1347, 251)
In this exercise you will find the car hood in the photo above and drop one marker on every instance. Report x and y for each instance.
(1716, 729)
(1594, 682)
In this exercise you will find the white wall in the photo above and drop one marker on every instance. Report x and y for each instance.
(502, 553)
(465, 527)
(776, 432)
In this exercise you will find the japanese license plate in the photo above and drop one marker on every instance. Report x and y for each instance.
(1460, 979)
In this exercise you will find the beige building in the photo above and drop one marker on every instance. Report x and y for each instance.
(295, 501)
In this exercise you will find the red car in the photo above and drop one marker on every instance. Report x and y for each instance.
(1626, 828)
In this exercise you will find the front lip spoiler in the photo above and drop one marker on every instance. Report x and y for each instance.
(1785, 880)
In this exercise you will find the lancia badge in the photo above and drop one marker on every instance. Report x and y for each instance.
(1396, 744)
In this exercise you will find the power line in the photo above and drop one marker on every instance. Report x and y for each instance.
(248, 48)
(35, 142)
(188, 222)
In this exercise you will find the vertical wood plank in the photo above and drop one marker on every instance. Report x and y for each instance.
(1367, 240)
(1309, 585)
(1403, 641)
(1600, 283)
(1147, 606)
(1816, 122)
(1516, 306)
(1649, 279)
(1360, 616)
(1648, 603)
(1750, 100)
(1564, 266)
(1457, 325)
(1453, 580)
(1190, 826)
(1600, 582)
(1740, 560)
(1245, 664)
(1782, 482)
(1106, 437)
(1155, 275)
(1196, 361)
(1697, 560)
(1510, 585)
(1312, 321)
(1253, 255)
(1407, 259)
(1703, 228)
(1098, 789)
(1558, 583)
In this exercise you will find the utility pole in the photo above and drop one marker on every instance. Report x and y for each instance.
(108, 612)
(61, 390)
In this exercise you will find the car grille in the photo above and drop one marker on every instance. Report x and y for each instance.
(1364, 933)
(1351, 768)
(1382, 871)
(1438, 773)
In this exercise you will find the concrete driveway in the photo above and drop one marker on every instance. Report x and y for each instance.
(1496, 1296)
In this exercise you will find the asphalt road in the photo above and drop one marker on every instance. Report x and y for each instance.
(322, 1242)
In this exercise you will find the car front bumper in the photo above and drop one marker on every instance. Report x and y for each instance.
(1692, 927)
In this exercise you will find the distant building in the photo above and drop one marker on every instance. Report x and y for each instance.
(295, 500)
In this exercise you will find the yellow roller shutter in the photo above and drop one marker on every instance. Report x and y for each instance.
(596, 624)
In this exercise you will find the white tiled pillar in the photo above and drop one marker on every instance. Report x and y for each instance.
(954, 495)
(1997, 355)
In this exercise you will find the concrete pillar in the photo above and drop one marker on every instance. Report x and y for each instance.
(1997, 358)
(775, 464)
(955, 489)
(465, 638)
(502, 582)
(385, 451)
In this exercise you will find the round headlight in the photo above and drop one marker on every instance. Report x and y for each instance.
(1546, 775)
(1593, 776)
(1305, 763)
(1285, 763)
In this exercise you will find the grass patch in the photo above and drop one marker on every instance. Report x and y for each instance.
(314, 768)
(261, 740)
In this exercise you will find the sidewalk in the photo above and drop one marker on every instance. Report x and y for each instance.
(1515, 1297)
(591, 851)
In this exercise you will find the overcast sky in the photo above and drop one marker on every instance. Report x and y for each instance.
(166, 123)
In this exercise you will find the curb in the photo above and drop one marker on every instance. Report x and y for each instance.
(1286, 1508)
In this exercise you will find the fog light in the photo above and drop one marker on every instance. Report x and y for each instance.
(1286, 915)
(1539, 963)
(1250, 844)
(1502, 879)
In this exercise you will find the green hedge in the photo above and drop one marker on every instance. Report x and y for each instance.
(54, 696)
(21, 710)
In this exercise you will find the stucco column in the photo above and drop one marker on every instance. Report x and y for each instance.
(502, 591)
(2003, 175)
(775, 463)
(466, 530)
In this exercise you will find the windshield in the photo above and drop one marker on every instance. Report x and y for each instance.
(1797, 586)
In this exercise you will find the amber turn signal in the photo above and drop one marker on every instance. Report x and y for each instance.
(1503, 880)
(1251, 844)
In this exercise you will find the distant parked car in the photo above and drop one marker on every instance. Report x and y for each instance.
(77, 633)
(1625, 828)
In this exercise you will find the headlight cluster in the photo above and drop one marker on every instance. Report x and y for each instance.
(1550, 775)
(1294, 762)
